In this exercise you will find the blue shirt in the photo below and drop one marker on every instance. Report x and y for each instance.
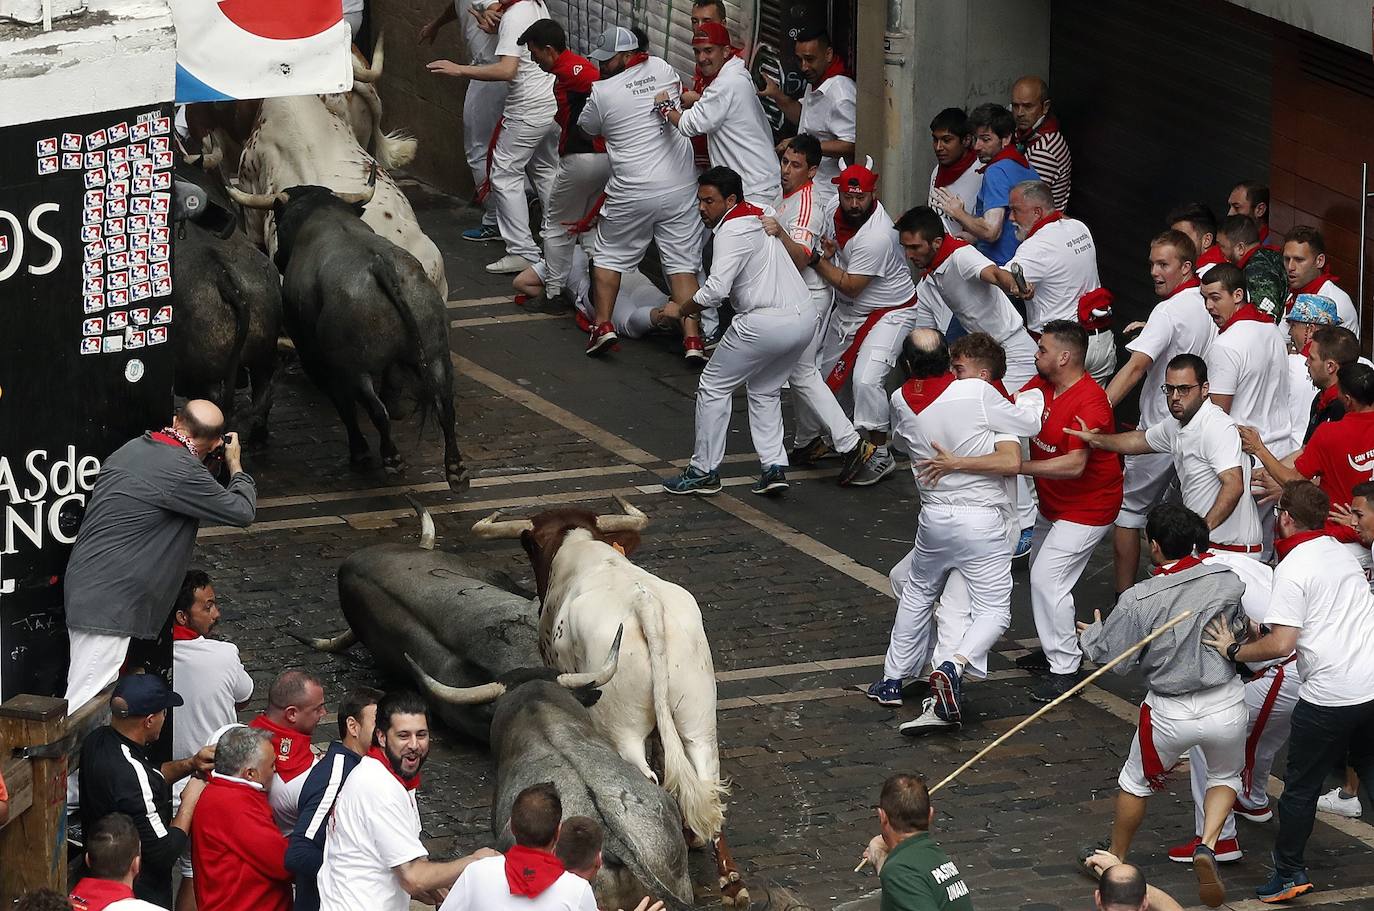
(305, 847)
(995, 193)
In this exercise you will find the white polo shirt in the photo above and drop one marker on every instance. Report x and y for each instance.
(483, 887)
(1250, 362)
(1207, 446)
(209, 675)
(737, 134)
(874, 250)
(375, 826)
(803, 217)
(828, 113)
(530, 98)
(1178, 324)
(1320, 588)
(1301, 392)
(981, 307)
(647, 154)
(966, 187)
(1059, 258)
(749, 267)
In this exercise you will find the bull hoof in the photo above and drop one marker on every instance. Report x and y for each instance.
(457, 477)
(734, 895)
(394, 465)
(694, 841)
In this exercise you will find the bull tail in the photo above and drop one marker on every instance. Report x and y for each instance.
(394, 149)
(233, 294)
(385, 274)
(700, 800)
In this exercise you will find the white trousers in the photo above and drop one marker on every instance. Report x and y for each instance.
(1219, 737)
(522, 149)
(482, 106)
(976, 541)
(868, 380)
(1263, 740)
(953, 614)
(1059, 554)
(1101, 360)
(758, 352)
(580, 179)
(811, 396)
(95, 662)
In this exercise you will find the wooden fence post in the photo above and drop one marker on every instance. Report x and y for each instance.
(34, 846)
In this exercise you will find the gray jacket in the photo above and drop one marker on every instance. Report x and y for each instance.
(1177, 662)
(136, 537)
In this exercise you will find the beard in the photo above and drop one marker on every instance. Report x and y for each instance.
(857, 220)
(397, 762)
(1020, 232)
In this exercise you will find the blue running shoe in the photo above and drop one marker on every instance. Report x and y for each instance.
(1284, 887)
(773, 480)
(694, 480)
(1023, 544)
(886, 692)
(482, 233)
(948, 692)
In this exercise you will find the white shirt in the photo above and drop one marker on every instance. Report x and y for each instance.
(966, 188)
(481, 45)
(981, 307)
(1301, 392)
(737, 134)
(530, 98)
(803, 217)
(209, 675)
(749, 267)
(483, 887)
(1202, 450)
(1060, 260)
(375, 826)
(967, 419)
(285, 797)
(1321, 589)
(647, 154)
(874, 250)
(828, 113)
(1250, 362)
(1178, 324)
(134, 904)
(1258, 579)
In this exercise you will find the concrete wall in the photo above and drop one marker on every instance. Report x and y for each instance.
(1343, 21)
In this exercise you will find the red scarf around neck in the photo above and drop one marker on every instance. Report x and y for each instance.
(182, 633)
(836, 68)
(1245, 260)
(844, 231)
(530, 872)
(379, 754)
(1244, 312)
(1212, 256)
(1327, 395)
(947, 174)
(292, 748)
(1190, 283)
(1312, 287)
(1048, 124)
(92, 894)
(1283, 546)
(741, 210)
(947, 247)
(1052, 217)
(1009, 153)
(918, 394)
(1179, 566)
(170, 436)
(635, 59)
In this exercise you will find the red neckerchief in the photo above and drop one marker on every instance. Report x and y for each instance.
(378, 754)
(635, 59)
(1264, 235)
(836, 68)
(1244, 260)
(1328, 395)
(947, 174)
(844, 232)
(1190, 283)
(292, 748)
(742, 210)
(92, 894)
(699, 80)
(1212, 256)
(1048, 124)
(182, 633)
(1312, 287)
(1052, 217)
(1179, 566)
(1001, 390)
(1282, 546)
(1009, 153)
(920, 393)
(170, 436)
(530, 872)
(1246, 311)
(1306, 349)
(947, 247)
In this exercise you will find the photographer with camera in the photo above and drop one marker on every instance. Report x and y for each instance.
(135, 542)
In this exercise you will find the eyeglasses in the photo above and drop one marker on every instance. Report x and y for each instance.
(1170, 391)
(1279, 509)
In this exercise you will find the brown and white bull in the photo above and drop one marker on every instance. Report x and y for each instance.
(588, 588)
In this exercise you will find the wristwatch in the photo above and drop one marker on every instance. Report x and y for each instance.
(815, 258)
(1232, 650)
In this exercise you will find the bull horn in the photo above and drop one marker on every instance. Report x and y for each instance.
(365, 197)
(340, 643)
(364, 73)
(599, 677)
(254, 200)
(632, 520)
(456, 695)
(426, 523)
(491, 529)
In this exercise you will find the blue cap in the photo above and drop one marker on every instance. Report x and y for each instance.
(1317, 309)
(144, 694)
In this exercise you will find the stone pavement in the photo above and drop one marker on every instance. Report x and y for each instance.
(794, 595)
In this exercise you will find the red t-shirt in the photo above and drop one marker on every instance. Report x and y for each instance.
(1093, 498)
(1342, 454)
(574, 76)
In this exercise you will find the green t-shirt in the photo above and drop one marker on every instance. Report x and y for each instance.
(919, 876)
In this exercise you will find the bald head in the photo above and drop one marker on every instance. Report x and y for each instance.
(925, 340)
(924, 354)
(202, 421)
(1030, 101)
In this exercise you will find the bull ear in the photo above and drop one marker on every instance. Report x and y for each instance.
(626, 541)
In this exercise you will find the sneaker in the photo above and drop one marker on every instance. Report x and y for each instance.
(1210, 891)
(886, 692)
(693, 351)
(583, 323)
(1227, 851)
(1023, 544)
(1284, 887)
(773, 480)
(558, 302)
(602, 337)
(1252, 814)
(510, 264)
(1034, 661)
(712, 339)
(811, 453)
(482, 233)
(1053, 686)
(854, 461)
(1336, 803)
(927, 722)
(947, 690)
(694, 480)
(874, 469)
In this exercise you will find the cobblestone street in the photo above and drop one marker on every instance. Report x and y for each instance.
(797, 609)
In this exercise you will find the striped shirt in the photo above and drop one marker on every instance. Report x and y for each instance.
(802, 216)
(1049, 155)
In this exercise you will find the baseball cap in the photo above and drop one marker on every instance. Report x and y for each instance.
(145, 694)
(611, 42)
(1317, 309)
(857, 178)
(710, 34)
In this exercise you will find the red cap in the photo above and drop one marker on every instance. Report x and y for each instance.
(856, 179)
(710, 33)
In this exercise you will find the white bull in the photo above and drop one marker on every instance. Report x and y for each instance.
(361, 109)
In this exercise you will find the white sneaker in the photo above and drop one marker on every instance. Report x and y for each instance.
(927, 722)
(1332, 802)
(510, 264)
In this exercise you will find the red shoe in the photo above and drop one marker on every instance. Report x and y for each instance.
(1227, 851)
(582, 322)
(521, 300)
(602, 337)
(693, 350)
(1253, 814)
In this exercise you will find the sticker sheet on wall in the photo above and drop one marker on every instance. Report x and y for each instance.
(125, 228)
